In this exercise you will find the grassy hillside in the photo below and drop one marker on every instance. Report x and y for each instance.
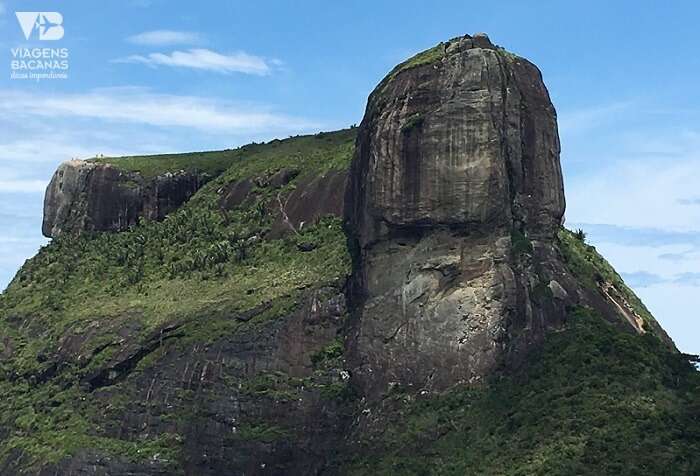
(198, 262)
(329, 150)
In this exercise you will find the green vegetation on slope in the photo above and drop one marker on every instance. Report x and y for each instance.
(332, 145)
(594, 400)
(211, 163)
(197, 262)
(591, 269)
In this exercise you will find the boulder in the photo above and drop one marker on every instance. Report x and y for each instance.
(313, 198)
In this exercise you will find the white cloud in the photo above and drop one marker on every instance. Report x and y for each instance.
(22, 186)
(650, 259)
(165, 37)
(638, 194)
(582, 120)
(674, 306)
(636, 175)
(141, 106)
(34, 150)
(206, 60)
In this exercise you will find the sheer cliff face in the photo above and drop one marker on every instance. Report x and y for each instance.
(467, 139)
(456, 165)
(87, 196)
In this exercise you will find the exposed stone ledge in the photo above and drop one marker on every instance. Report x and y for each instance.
(87, 196)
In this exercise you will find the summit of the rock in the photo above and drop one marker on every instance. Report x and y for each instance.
(467, 139)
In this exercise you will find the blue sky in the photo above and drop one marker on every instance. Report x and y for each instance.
(150, 76)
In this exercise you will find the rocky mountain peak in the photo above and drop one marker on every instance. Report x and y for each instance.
(455, 200)
(462, 135)
(90, 196)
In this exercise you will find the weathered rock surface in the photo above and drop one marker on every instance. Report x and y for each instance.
(89, 196)
(256, 400)
(454, 200)
(312, 199)
(466, 140)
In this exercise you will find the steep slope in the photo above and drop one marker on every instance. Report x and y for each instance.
(192, 336)
(433, 320)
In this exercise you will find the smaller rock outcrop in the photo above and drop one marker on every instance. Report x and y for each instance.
(313, 198)
(89, 196)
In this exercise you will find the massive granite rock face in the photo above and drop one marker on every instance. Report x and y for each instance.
(455, 198)
(467, 139)
(89, 196)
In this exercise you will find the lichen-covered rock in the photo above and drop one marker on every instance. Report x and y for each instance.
(89, 196)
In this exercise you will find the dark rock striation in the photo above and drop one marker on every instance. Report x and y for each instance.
(466, 139)
(89, 196)
(455, 199)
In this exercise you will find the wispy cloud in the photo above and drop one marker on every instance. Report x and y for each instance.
(646, 256)
(165, 38)
(206, 60)
(690, 279)
(584, 119)
(31, 151)
(642, 279)
(674, 256)
(2, 9)
(637, 236)
(22, 186)
(141, 106)
(648, 179)
(689, 201)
